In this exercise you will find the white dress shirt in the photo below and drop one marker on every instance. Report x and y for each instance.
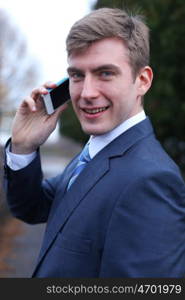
(96, 143)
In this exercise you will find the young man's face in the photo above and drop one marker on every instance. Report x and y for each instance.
(103, 90)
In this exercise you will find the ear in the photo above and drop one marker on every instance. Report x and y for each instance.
(145, 78)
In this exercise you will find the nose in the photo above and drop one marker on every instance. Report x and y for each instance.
(89, 88)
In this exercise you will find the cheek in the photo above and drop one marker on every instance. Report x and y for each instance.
(75, 91)
(74, 98)
(120, 102)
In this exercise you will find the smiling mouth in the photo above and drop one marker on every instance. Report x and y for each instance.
(95, 110)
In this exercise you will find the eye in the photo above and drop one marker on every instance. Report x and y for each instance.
(106, 74)
(76, 76)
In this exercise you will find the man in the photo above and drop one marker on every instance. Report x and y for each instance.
(124, 214)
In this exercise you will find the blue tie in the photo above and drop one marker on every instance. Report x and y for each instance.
(83, 159)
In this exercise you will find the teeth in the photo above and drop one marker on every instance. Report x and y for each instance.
(95, 111)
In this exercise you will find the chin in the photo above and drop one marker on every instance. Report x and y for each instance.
(94, 131)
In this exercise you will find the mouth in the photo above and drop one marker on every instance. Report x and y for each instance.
(94, 111)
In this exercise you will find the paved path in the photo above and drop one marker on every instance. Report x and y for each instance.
(20, 242)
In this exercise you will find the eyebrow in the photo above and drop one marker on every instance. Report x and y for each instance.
(94, 70)
(73, 69)
(106, 67)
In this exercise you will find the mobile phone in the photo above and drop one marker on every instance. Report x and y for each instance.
(57, 96)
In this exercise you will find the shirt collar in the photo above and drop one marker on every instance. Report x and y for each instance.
(98, 142)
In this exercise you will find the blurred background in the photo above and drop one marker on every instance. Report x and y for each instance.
(32, 51)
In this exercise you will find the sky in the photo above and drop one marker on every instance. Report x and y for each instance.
(45, 25)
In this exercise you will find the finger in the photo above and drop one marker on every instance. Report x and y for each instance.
(50, 85)
(43, 90)
(28, 102)
(40, 103)
(36, 93)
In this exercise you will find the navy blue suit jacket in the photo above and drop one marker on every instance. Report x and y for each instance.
(124, 216)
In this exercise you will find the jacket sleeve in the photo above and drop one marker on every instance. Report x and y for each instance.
(146, 233)
(29, 196)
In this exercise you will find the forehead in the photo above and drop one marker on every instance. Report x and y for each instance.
(106, 51)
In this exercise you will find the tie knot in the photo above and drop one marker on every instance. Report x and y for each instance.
(84, 156)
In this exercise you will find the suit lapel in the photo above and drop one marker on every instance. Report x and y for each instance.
(85, 181)
(92, 173)
(72, 198)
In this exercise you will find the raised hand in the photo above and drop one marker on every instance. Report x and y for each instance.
(32, 125)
